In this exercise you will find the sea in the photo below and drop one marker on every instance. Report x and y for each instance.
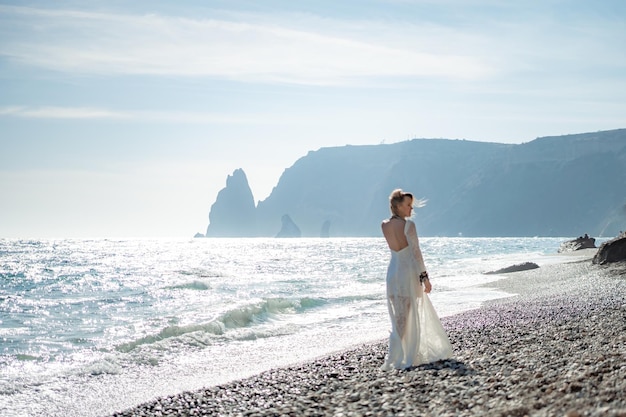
(93, 326)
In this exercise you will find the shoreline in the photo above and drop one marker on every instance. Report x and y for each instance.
(557, 347)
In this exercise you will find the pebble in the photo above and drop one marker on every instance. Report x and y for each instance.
(554, 353)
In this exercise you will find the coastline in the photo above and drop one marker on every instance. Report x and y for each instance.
(557, 347)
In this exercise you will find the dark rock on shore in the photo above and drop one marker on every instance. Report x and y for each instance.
(581, 242)
(514, 268)
(613, 250)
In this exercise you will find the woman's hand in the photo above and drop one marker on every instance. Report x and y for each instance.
(427, 286)
(424, 280)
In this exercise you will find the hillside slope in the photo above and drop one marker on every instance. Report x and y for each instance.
(552, 186)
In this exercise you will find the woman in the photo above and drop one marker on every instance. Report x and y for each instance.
(417, 336)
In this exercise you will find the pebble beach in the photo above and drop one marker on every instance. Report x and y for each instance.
(557, 347)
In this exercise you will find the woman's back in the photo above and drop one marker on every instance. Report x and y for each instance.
(393, 230)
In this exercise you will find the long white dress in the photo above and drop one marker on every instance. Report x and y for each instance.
(424, 339)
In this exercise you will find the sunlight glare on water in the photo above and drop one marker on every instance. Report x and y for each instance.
(104, 324)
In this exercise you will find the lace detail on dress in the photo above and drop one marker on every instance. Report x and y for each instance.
(411, 236)
(416, 333)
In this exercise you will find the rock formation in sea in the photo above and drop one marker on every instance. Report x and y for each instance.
(234, 213)
(289, 228)
(551, 186)
(325, 232)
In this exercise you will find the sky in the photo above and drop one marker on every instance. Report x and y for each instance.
(124, 118)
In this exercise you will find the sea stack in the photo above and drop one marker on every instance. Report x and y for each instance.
(233, 213)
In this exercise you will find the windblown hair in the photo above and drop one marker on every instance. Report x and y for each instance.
(397, 197)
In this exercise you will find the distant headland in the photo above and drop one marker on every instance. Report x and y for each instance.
(552, 186)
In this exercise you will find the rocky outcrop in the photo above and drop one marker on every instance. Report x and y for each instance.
(325, 232)
(514, 268)
(289, 228)
(553, 186)
(233, 213)
(611, 251)
(581, 242)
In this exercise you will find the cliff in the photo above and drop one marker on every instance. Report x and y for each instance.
(552, 186)
(233, 213)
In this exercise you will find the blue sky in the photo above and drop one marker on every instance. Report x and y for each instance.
(123, 118)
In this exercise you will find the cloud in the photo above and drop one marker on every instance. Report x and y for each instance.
(60, 113)
(77, 113)
(254, 49)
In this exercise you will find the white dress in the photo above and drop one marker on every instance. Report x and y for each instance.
(424, 339)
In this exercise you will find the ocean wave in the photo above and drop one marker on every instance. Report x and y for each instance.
(192, 285)
(201, 273)
(12, 276)
(243, 316)
(27, 358)
(255, 313)
(103, 367)
(170, 332)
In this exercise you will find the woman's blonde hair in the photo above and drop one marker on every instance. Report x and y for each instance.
(397, 197)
